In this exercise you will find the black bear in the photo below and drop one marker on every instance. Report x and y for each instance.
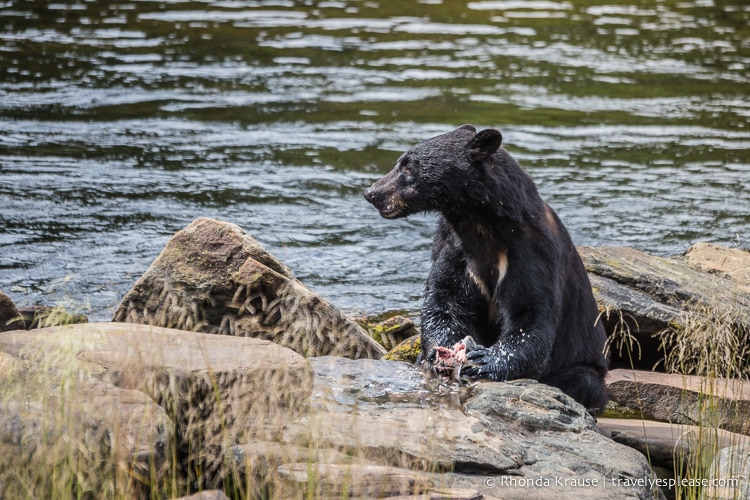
(504, 270)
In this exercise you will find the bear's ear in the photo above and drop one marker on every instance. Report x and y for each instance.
(484, 144)
(467, 127)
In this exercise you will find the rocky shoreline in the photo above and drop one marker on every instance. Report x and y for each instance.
(222, 371)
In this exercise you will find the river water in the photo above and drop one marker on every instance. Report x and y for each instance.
(121, 122)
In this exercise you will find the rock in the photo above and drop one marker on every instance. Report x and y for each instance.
(368, 481)
(110, 440)
(10, 317)
(684, 399)
(731, 471)
(649, 296)
(212, 277)
(408, 350)
(672, 446)
(732, 263)
(391, 332)
(27, 318)
(9, 365)
(216, 391)
(443, 494)
(531, 405)
(379, 427)
(63, 428)
(45, 316)
(248, 415)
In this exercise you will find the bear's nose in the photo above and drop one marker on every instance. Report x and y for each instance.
(369, 194)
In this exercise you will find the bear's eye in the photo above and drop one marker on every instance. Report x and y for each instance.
(406, 175)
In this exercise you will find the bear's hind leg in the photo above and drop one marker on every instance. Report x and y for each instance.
(583, 383)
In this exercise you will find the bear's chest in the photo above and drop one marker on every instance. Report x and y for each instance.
(487, 272)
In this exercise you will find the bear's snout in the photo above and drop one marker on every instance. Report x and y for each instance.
(376, 196)
(383, 196)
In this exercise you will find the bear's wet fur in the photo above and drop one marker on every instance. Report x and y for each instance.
(504, 268)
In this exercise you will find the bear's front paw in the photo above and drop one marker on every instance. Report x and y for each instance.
(482, 362)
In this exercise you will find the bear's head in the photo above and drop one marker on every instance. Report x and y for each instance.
(434, 172)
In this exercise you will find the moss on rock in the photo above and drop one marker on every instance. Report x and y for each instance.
(407, 350)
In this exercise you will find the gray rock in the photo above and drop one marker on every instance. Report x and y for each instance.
(212, 277)
(39, 316)
(377, 427)
(665, 443)
(368, 481)
(206, 495)
(684, 399)
(251, 414)
(108, 378)
(731, 472)
(63, 427)
(532, 405)
(647, 296)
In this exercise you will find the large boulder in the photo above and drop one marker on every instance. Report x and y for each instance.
(661, 311)
(86, 436)
(66, 430)
(213, 277)
(135, 405)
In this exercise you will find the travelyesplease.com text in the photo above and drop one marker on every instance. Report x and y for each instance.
(602, 482)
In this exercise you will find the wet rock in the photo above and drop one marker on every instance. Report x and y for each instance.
(379, 426)
(212, 277)
(10, 317)
(645, 296)
(251, 414)
(684, 399)
(531, 405)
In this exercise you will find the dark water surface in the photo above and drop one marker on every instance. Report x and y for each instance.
(121, 122)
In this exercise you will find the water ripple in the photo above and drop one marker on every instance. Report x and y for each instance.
(122, 122)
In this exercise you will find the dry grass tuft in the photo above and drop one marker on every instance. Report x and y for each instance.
(707, 341)
(621, 336)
